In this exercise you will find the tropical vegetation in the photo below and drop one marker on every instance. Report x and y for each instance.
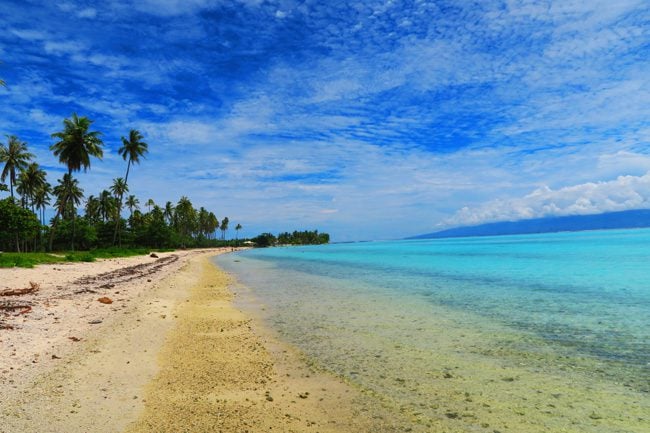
(97, 222)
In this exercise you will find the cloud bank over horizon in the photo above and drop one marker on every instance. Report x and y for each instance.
(366, 119)
(623, 193)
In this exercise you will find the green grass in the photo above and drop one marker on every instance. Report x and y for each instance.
(29, 260)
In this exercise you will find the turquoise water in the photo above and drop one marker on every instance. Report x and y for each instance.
(512, 333)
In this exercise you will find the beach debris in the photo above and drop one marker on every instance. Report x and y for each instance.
(55, 357)
(78, 292)
(17, 292)
(123, 275)
(95, 322)
(75, 339)
(23, 307)
(154, 255)
(105, 300)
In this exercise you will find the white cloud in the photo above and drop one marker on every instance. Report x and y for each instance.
(87, 13)
(622, 193)
(60, 48)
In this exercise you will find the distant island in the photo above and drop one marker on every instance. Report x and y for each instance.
(610, 220)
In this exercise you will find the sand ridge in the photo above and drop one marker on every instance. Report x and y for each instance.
(217, 375)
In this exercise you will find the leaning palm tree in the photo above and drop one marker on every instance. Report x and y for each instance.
(68, 197)
(77, 144)
(15, 157)
(118, 189)
(131, 150)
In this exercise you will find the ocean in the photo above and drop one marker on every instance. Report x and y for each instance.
(526, 333)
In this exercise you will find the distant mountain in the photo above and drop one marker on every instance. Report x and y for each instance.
(610, 220)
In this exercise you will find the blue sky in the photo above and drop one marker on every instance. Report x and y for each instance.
(366, 119)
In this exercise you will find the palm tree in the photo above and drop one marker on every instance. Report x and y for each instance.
(42, 199)
(68, 197)
(75, 147)
(92, 209)
(30, 180)
(15, 156)
(118, 189)
(150, 203)
(132, 203)
(214, 223)
(107, 205)
(237, 228)
(169, 212)
(185, 218)
(224, 228)
(131, 150)
(76, 144)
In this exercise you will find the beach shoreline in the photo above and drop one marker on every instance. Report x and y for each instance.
(171, 353)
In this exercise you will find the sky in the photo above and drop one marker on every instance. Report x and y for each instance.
(364, 119)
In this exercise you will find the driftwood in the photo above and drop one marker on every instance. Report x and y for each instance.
(17, 292)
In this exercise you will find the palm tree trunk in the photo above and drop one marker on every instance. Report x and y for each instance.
(74, 212)
(119, 206)
(54, 221)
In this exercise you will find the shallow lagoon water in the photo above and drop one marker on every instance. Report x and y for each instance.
(526, 333)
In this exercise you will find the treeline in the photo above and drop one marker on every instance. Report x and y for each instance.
(102, 224)
(306, 237)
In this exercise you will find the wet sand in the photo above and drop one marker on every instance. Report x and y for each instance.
(173, 355)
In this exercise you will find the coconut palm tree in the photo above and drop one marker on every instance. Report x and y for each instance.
(42, 199)
(118, 189)
(237, 228)
(75, 147)
(68, 197)
(131, 150)
(30, 180)
(77, 144)
(214, 223)
(150, 203)
(168, 212)
(92, 209)
(107, 205)
(15, 157)
(224, 228)
(132, 203)
(185, 218)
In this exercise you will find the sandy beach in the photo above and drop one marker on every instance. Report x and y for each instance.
(169, 354)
